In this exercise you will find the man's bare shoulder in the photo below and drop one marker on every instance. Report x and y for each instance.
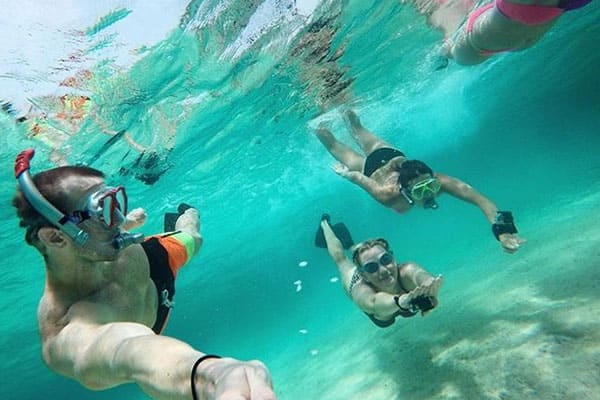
(124, 292)
(51, 316)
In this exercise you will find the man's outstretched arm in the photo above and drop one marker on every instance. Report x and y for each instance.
(104, 356)
(189, 222)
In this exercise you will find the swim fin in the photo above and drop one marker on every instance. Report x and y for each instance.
(340, 230)
(171, 218)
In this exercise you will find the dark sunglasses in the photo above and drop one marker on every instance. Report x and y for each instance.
(384, 258)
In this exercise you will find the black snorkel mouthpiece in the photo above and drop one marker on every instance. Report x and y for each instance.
(430, 203)
(40, 204)
(126, 239)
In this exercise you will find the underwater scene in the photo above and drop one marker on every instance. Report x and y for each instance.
(227, 105)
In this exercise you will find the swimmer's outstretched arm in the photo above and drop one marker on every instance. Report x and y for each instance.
(104, 356)
(464, 191)
(189, 222)
(381, 193)
(383, 305)
(380, 304)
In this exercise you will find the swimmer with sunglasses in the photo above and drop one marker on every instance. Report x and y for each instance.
(381, 287)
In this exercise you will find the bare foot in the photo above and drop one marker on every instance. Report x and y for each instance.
(353, 119)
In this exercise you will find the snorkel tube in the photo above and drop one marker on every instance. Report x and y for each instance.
(39, 202)
(406, 195)
(428, 202)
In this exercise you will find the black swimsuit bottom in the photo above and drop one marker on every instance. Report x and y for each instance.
(378, 158)
(163, 278)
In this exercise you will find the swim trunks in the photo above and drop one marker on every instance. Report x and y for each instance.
(378, 158)
(166, 253)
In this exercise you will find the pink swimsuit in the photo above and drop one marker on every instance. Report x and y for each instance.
(527, 14)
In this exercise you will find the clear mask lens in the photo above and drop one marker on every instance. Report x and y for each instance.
(427, 188)
(109, 205)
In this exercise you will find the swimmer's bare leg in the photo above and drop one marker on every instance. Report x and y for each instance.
(365, 138)
(339, 150)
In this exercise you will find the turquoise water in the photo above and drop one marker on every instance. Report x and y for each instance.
(227, 103)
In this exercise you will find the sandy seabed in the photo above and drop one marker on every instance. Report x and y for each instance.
(525, 326)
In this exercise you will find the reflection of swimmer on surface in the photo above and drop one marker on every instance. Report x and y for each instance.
(53, 120)
(149, 166)
(79, 80)
(61, 119)
(400, 184)
(152, 162)
(381, 287)
(319, 69)
(496, 27)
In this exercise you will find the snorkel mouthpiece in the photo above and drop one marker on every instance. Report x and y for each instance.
(125, 239)
(40, 204)
(430, 203)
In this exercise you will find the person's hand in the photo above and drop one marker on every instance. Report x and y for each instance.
(341, 169)
(230, 379)
(431, 286)
(189, 221)
(510, 242)
(322, 130)
(135, 218)
(352, 118)
(429, 289)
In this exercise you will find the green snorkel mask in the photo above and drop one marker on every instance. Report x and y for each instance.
(425, 190)
(66, 224)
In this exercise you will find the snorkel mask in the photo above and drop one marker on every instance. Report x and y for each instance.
(102, 205)
(424, 190)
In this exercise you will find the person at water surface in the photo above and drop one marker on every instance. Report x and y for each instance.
(474, 34)
(380, 286)
(400, 184)
(108, 292)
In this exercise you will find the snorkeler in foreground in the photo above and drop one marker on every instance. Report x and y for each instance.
(108, 292)
(382, 288)
(400, 184)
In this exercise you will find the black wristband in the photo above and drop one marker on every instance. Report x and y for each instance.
(194, 368)
(503, 223)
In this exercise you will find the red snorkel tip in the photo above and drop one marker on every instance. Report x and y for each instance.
(22, 161)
